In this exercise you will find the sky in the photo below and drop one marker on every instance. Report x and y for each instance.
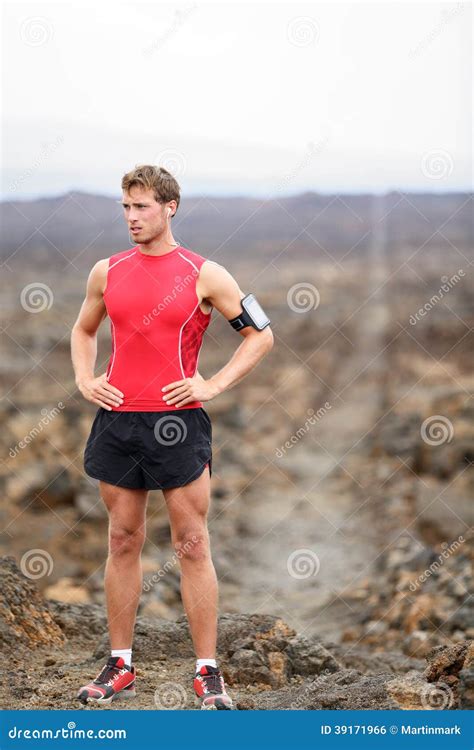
(248, 98)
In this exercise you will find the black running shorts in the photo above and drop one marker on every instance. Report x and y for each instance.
(149, 450)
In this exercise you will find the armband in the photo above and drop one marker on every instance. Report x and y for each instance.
(252, 315)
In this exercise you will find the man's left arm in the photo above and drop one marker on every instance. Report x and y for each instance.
(218, 287)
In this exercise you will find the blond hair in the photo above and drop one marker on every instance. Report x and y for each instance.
(158, 179)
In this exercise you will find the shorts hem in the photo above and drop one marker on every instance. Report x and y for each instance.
(113, 481)
(192, 478)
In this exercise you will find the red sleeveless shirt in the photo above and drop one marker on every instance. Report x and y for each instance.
(156, 325)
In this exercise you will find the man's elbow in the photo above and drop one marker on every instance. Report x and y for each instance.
(263, 338)
(80, 329)
(269, 340)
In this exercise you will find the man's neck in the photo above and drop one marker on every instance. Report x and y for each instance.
(158, 247)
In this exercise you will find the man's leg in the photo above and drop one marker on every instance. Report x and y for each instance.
(123, 571)
(188, 507)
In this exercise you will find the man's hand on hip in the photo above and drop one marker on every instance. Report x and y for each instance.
(99, 391)
(183, 392)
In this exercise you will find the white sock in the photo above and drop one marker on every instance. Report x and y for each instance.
(200, 663)
(125, 653)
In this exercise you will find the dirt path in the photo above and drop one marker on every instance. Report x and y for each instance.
(323, 528)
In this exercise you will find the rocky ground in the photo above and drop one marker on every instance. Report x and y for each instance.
(347, 538)
(55, 647)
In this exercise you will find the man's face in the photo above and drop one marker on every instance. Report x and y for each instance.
(146, 218)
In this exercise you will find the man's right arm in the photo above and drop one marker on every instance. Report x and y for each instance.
(84, 342)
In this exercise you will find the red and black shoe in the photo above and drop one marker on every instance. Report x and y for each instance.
(116, 680)
(210, 689)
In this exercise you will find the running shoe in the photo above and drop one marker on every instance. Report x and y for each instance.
(115, 680)
(210, 689)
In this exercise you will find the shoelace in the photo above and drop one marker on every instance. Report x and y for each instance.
(213, 682)
(107, 673)
(116, 676)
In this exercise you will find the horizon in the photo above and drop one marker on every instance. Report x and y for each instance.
(248, 196)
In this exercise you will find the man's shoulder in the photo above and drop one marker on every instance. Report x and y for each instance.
(101, 268)
(192, 257)
(121, 255)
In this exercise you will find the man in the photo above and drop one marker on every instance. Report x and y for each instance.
(151, 430)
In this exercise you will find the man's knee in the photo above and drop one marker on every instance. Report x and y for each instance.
(193, 546)
(123, 541)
